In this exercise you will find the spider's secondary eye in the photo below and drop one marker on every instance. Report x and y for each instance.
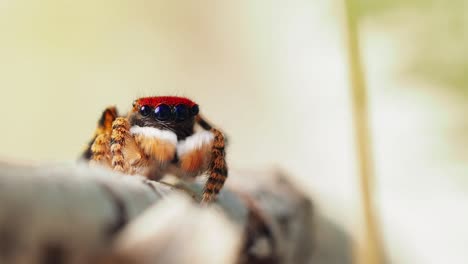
(181, 112)
(145, 110)
(162, 112)
(195, 109)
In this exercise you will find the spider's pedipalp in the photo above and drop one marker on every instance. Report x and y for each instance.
(194, 153)
(155, 143)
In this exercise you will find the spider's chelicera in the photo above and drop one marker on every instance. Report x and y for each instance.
(159, 136)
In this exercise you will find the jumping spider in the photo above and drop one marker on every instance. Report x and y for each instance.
(157, 137)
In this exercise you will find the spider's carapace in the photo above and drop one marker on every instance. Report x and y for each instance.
(169, 100)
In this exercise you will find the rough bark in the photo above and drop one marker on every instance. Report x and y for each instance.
(71, 213)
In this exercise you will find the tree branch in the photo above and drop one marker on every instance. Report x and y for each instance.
(76, 214)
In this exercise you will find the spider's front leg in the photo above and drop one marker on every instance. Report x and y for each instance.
(111, 143)
(118, 141)
(217, 168)
(98, 150)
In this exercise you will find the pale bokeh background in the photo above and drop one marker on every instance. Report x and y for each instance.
(273, 75)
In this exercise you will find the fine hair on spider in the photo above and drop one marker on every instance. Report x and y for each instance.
(157, 137)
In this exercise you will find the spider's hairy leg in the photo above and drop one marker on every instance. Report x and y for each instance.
(203, 123)
(100, 150)
(104, 127)
(120, 134)
(217, 169)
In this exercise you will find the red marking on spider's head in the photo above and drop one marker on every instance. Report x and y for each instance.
(169, 100)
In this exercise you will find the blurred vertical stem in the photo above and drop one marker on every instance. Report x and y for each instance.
(370, 250)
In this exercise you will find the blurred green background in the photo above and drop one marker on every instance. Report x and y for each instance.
(436, 30)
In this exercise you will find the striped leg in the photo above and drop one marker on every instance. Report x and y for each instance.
(119, 136)
(104, 128)
(217, 169)
(100, 150)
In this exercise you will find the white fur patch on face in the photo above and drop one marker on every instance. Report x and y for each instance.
(195, 141)
(165, 135)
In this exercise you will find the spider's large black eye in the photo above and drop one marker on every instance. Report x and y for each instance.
(195, 109)
(162, 112)
(145, 110)
(181, 112)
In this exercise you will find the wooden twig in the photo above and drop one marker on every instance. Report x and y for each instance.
(76, 214)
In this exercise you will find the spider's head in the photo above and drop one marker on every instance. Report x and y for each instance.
(165, 112)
